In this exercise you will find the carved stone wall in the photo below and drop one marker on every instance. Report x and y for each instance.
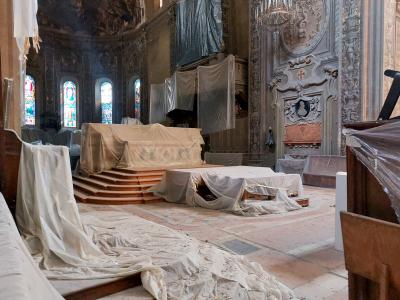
(293, 83)
(85, 60)
(351, 65)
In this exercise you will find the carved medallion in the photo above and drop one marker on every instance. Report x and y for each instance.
(303, 110)
(307, 27)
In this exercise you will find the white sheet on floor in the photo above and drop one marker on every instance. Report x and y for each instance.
(20, 278)
(193, 269)
(107, 244)
(49, 221)
(228, 184)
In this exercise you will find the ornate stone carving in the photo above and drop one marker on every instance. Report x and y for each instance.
(303, 110)
(96, 17)
(309, 24)
(351, 61)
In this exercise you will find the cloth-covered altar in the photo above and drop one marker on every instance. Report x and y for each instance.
(228, 185)
(135, 146)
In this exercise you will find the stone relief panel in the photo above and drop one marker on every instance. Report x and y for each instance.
(303, 110)
(301, 96)
(351, 61)
(307, 26)
(294, 82)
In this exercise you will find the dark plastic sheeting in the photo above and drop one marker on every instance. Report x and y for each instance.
(198, 29)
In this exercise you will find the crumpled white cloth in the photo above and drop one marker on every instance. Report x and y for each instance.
(228, 184)
(91, 245)
(25, 25)
(192, 269)
(49, 221)
(20, 278)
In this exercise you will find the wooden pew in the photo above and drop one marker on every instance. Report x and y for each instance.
(372, 250)
(366, 197)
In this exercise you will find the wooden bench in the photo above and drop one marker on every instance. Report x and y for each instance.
(372, 251)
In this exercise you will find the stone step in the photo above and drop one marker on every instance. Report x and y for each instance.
(143, 171)
(120, 181)
(94, 199)
(106, 193)
(112, 187)
(124, 175)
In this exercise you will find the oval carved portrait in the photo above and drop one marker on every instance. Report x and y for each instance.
(307, 27)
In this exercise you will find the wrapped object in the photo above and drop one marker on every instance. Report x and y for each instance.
(216, 96)
(379, 150)
(138, 146)
(158, 103)
(198, 29)
(25, 25)
(181, 90)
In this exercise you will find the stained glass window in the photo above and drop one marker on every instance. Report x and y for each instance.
(106, 102)
(137, 99)
(30, 100)
(70, 107)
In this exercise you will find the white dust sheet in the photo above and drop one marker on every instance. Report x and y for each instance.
(106, 146)
(20, 278)
(94, 245)
(228, 184)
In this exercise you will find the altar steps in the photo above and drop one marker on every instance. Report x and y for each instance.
(118, 186)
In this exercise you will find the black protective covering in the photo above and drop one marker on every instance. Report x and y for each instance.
(198, 29)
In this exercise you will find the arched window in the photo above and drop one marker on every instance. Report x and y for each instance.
(106, 102)
(69, 104)
(137, 95)
(30, 100)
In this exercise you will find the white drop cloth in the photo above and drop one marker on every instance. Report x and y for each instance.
(181, 90)
(130, 121)
(228, 184)
(20, 278)
(134, 146)
(106, 244)
(158, 104)
(216, 96)
(49, 221)
(25, 25)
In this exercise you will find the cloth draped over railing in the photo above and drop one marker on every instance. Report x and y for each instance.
(214, 87)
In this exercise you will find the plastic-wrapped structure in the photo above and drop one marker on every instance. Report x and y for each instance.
(379, 150)
(198, 29)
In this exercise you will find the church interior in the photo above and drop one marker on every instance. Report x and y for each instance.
(199, 149)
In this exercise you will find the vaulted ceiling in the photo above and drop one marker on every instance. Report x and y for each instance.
(94, 17)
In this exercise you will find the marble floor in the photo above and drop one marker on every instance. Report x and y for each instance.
(296, 247)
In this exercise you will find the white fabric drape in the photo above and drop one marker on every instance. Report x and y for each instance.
(185, 89)
(102, 244)
(228, 184)
(48, 219)
(20, 278)
(158, 103)
(25, 25)
(130, 121)
(181, 90)
(216, 96)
